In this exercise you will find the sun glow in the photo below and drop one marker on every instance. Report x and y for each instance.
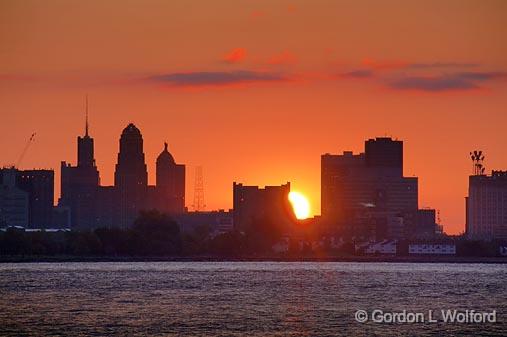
(300, 205)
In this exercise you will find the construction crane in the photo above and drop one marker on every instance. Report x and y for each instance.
(30, 141)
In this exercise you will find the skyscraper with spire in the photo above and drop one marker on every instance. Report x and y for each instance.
(79, 184)
(85, 156)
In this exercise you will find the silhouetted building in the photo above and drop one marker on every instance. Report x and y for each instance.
(79, 185)
(486, 206)
(91, 205)
(385, 153)
(170, 183)
(14, 204)
(107, 207)
(130, 176)
(366, 194)
(271, 203)
(61, 217)
(39, 184)
(426, 225)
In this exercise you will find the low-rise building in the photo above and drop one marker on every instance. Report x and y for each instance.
(381, 247)
(432, 249)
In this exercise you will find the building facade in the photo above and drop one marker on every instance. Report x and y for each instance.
(170, 183)
(251, 203)
(39, 188)
(14, 204)
(486, 206)
(39, 184)
(366, 195)
(79, 185)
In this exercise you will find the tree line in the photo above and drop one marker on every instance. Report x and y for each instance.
(156, 234)
(152, 234)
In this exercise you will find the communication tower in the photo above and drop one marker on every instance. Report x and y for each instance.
(478, 163)
(199, 190)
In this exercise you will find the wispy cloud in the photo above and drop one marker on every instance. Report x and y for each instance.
(446, 82)
(236, 55)
(436, 65)
(360, 73)
(217, 78)
(400, 64)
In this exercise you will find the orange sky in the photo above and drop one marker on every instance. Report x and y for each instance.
(256, 91)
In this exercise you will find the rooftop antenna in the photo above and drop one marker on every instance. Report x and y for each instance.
(199, 190)
(86, 110)
(478, 163)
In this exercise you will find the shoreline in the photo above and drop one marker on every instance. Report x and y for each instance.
(358, 259)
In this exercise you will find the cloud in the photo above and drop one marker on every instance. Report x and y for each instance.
(399, 64)
(361, 73)
(285, 57)
(236, 55)
(441, 65)
(446, 82)
(217, 78)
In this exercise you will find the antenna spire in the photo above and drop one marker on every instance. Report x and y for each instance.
(86, 109)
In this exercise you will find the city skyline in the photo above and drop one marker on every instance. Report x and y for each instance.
(256, 106)
(84, 181)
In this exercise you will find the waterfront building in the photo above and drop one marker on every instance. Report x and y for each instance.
(432, 249)
(486, 206)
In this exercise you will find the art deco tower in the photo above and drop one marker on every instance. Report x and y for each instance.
(131, 176)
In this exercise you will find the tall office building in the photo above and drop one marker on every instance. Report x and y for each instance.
(170, 185)
(79, 184)
(486, 206)
(365, 194)
(131, 176)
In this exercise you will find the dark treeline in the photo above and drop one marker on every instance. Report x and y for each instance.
(156, 234)
(153, 234)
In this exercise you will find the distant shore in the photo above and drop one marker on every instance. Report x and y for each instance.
(393, 259)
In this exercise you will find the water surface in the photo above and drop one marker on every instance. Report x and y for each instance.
(244, 298)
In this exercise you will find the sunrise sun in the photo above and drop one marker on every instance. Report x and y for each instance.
(300, 205)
